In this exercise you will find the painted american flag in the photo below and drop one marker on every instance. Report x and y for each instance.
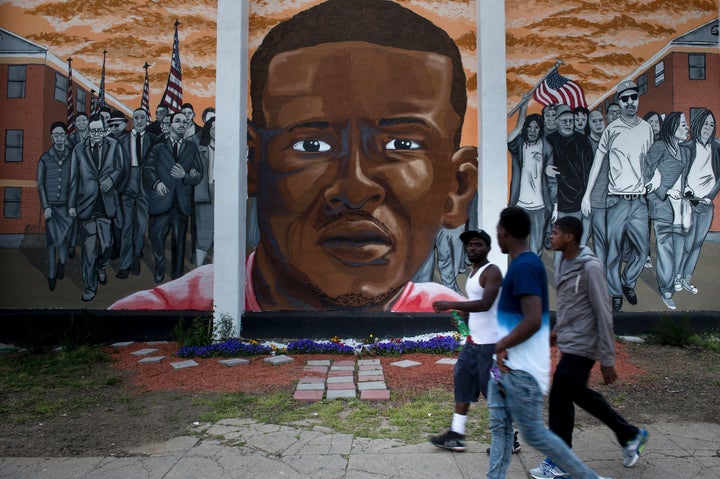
(173, 96)
(69, 100)
(557, 89)
(145, 100)
(100, 101)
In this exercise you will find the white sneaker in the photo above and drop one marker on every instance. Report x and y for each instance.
(667, 299)
(634, 447)
(678, 286)
(688, 286)
(548, 470)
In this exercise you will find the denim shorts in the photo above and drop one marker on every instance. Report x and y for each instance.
(472, 372)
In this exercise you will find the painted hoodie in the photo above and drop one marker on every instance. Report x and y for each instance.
(584, 324)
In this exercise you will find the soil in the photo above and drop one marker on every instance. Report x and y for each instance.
(153, 402)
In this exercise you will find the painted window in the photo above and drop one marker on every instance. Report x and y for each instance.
(13, 145)
(81, 100)
(696, 65)
(660, 73)
(642, 83)
(60, 87)
(13, 200)
(16, 81)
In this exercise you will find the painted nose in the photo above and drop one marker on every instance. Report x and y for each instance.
(356, 186)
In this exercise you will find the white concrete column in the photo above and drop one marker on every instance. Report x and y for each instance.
(230, 161)
(492, 120)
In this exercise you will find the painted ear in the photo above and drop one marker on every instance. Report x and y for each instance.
(463, 187)
(252, 165)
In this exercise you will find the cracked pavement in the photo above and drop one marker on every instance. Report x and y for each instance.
(242, 448)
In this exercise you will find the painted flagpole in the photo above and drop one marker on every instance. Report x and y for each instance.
(69, 101)
(558, 62)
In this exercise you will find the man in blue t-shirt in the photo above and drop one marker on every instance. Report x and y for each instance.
(521, 376)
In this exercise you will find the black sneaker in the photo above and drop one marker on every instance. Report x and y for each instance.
(630, 295)
(450, 440)
(516, 444)
(617, 303)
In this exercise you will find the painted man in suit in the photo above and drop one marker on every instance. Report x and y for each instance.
(136, 145)
(169, 174)
(94, 174)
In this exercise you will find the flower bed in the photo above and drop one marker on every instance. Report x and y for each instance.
(437, 344)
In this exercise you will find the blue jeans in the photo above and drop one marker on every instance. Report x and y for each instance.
(517, 399)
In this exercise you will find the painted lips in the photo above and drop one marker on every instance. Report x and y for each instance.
(356, 242)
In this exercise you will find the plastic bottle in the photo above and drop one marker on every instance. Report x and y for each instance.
(461, 324)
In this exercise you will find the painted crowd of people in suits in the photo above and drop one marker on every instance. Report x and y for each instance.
(628, 178)
(111, 187)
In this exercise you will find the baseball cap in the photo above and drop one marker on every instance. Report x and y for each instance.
(562, 109)
(470, 234)
(626, 85)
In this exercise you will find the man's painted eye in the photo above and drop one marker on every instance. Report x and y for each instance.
(402, 145)
(311, 146)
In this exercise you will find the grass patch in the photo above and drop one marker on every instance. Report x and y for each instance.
(409, 419)
(37, 384)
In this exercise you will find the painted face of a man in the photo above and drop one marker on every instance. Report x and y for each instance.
(178, 124)
(629, 102)
(550, 117)
(566, 124)
(613, 113)
(580, 121)
(356, 167)
(139, 120)
(97, 131)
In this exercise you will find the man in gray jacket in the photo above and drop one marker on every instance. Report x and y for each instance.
(583, 333)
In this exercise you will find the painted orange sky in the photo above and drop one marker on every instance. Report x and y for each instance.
(600, 42)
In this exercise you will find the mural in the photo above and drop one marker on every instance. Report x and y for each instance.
(621, 155)
(148, 70)
(334, 94)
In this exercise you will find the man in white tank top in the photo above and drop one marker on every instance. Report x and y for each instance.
(472, 369)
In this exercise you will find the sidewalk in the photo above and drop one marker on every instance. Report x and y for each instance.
(233, 448)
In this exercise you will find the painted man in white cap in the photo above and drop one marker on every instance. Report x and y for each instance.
(626, 141)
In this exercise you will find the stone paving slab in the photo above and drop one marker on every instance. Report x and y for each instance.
(450, 361)
(375, 395)
(340, 379)
(318, 362)
(338, 373)
(405, 363)
(311, 380)
(310, 387)
(144, 352)
(341, 394)
(276, 360)
(234, 361)
(184, 364)
(370, 372)
(368, 362)
(344, 362)
(315, 369)
(364, 379)
(342, 368)
(308, 396)
(370, 367)
(153, 343)
(122, 344)
(337, 386)
(152, 359)
(372, 385)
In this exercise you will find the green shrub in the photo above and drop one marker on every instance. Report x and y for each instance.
(672, 332)
(200, 332)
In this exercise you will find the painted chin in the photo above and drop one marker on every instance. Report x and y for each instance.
(356, 242)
